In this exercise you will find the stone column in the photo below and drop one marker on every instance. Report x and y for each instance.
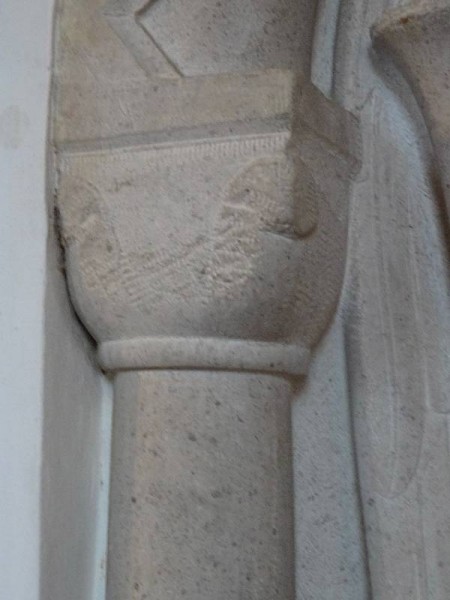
(207, 271)
(417, 36)
(202, 191)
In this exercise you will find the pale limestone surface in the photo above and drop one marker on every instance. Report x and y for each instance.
(417, 36)
(203, 188)
(212, 238)
(202, 193)
(396, 321)
(201, 491)
(330, 548)
(24, 96)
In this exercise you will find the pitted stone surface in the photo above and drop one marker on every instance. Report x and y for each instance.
(417, 37)
(203, 187)
(201, 494)
(229, 234)
(202, 192)
(396, 306)
(233, 36)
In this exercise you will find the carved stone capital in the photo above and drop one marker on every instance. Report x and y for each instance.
(203, 191)
(218, 251)
(417, 36)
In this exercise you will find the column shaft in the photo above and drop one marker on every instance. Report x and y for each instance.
(201, 491)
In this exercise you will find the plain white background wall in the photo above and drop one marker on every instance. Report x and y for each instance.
(25, 55)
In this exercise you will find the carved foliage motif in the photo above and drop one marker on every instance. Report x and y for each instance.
(127, 234)
(269, 197)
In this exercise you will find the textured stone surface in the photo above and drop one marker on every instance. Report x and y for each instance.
(202, 191)
(220, 237)
(417, 36)
(180, 122)
(207, 206)
(396, 315)
(198, 37)
(330, 546)
(201, 493)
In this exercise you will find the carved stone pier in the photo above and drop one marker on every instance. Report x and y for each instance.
(204, 218)
(207, 271)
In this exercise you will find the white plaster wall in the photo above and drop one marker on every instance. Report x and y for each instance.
(54, 403)
(75, 452)
(25, 53)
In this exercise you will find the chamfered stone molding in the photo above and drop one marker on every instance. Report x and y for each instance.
(418, 38)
